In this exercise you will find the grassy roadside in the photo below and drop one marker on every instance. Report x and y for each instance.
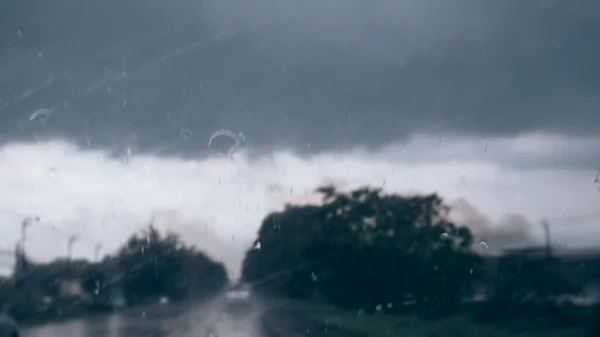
(382, 325)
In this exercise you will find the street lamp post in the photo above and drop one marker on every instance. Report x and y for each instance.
(546, 225)
(97, 251)
(72, 240)
(26, 223)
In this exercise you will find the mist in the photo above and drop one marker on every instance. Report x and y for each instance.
(512, 230)
(217, 203)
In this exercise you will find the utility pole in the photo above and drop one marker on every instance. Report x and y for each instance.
(97, 251)
(21, 260)
(546, 225)
(72, 240)
(26, 223)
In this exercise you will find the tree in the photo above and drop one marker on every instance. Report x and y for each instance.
(528, 283)
(159, 265)
(148, 265)
(366, 250)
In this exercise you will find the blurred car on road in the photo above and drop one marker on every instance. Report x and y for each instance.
(238, 297)
(8, 326)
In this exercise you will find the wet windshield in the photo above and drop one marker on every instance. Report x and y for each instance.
(299, 168)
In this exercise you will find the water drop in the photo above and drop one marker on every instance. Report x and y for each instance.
(313, 277)
(53, 172)
(481, 245)
(45, 113)
(239, 139)
(257, 245)
(185, 133)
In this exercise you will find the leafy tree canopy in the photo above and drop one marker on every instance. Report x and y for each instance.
(366, 250)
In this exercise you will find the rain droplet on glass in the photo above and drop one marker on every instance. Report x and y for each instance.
(239, 139)
(185, 133)
(53, 172)
(45, 113)
(481, 245)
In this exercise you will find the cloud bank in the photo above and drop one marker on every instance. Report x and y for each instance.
(218, 203)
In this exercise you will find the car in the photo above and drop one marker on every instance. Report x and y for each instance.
(8, 326)
(238, 297)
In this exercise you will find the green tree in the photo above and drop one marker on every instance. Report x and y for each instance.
(527, 283)
(147, 266)
(159, 265)
(366, 250)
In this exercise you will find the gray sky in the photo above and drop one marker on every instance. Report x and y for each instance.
(337, 73)
(497, 102)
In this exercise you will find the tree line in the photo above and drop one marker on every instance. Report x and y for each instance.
(368, 251)
(361, 250)
(147, 267)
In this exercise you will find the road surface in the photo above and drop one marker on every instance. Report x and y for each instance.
(176, 320)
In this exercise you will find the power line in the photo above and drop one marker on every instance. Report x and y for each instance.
(581, 216)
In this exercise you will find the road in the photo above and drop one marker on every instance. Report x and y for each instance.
(176, 320)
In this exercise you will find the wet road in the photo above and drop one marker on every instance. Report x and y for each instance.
(208, 319)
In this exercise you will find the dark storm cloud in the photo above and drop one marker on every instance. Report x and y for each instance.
(533, 151)
(305, 74)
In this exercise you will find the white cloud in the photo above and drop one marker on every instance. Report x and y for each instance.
(218, 203)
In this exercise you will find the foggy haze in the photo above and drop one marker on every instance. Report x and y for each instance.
(512, 230)
(107, 106)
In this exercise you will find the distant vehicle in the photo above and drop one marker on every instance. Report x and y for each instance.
(238, 297)
(8, 326)
(117, 298)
